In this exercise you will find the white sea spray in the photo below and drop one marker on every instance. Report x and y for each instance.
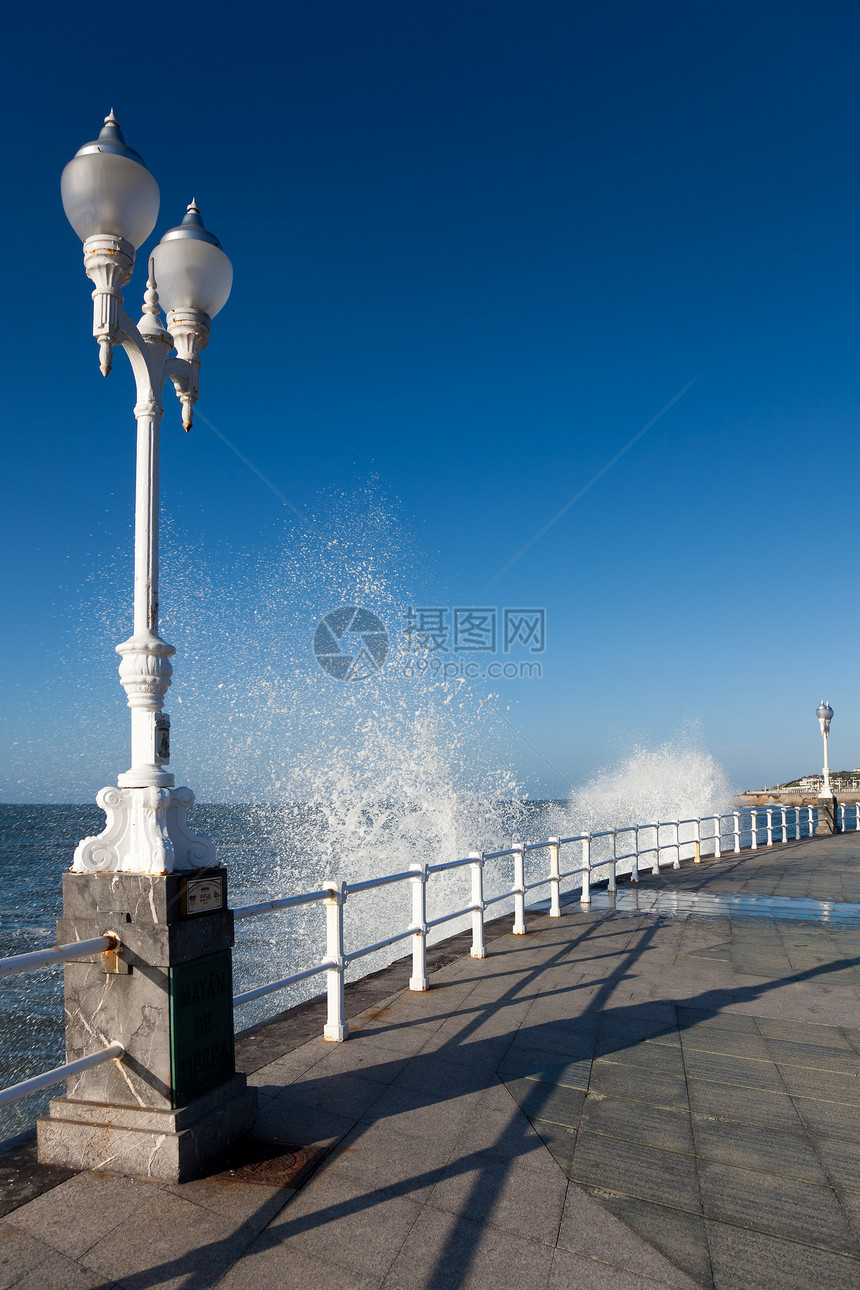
(354, 780)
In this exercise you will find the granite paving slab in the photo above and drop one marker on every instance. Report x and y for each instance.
(678, 1234)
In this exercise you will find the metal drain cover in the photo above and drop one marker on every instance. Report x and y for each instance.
(274, 1164)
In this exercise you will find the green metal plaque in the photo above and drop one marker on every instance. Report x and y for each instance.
(202, 1053)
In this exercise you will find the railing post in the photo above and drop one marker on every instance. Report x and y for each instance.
(754, 827)
(418, 979)
(811, 821)
(656, 868)
(698, 840)
(677, 864)
(519, 928)
(736, 815)
(783, 823)
(856, 816)
(718, 837)
(770, 826)
(585, 898)
(554, 880)
(479, 949)
(335, 1028)
(612, 885)
(634, 868)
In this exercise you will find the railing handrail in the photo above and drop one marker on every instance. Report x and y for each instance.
(385, 881)
(57, 954)
(450, 864)
(284, 902)
(260, 990)
(38, 1082)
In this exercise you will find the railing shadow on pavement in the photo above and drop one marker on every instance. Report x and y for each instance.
(611, 1030)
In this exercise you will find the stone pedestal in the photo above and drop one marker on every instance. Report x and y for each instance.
(174, 1100)
(827, 814)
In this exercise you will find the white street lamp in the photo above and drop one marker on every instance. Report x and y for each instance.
(827, 812)
(174, 1099)
(824, 712)
(111, 201)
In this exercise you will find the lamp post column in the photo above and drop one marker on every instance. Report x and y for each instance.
(145, 671)
(827, 821)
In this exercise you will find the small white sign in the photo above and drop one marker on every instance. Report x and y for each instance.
(202, 895)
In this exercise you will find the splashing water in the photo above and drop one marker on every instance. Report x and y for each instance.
(366, 775)
(350, 779)
(355, 779)
(677, 780)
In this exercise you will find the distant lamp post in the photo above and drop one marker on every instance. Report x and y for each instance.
(173, 1098)
(824, 712)
(826, 798)
(111, 200)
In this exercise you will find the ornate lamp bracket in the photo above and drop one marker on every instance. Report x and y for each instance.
(190, 331)
(109, 264)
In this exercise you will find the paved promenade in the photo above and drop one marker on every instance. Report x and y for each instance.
(623, 1098)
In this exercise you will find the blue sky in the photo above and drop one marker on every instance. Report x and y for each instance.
(477, 246)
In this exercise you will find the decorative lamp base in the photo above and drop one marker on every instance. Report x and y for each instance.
(146, 832)
(145, 1142)
(827, 814)
(174, 1099)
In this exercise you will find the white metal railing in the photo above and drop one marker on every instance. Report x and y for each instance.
(46, 958)
(599, 851)
(57, 954)
(842, 817)
(38, 1082)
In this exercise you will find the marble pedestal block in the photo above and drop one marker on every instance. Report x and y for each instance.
(827, 814)
(174, 1100)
